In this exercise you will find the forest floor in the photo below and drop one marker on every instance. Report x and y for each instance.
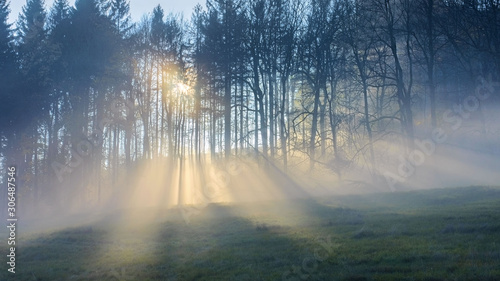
(438, 234)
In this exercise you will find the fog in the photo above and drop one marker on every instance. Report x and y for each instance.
(164, 145)
(159, 190)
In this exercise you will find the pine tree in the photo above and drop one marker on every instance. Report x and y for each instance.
(7, 69)
(35, 57)
(157, 27)
(225, 37)
(120, 16)
(59, 12)
(31, 23)
(7, 54)
(35, 61)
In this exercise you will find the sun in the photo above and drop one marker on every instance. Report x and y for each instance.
(182, 88)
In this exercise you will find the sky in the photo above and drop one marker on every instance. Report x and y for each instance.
(137, 7)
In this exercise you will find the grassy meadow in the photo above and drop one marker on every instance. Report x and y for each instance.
(439, 234)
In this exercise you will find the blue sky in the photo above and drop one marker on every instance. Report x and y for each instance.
(137, 7)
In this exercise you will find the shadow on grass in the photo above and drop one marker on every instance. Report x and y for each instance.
(372, 242)
(62, 255)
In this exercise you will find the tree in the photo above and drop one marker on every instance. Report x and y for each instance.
(393, 26)
(427, 37)
(120, 16)
(224, 32)
(287, 48)
(35, 63)
(196, 55)
(313, 66)
(90, 53)
(57, 28)
(356, 34)
(256, 51)
(11, 104)
(158, 34)
(59, 12)
(8, 67)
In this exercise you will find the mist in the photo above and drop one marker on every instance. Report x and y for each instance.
(251, 132)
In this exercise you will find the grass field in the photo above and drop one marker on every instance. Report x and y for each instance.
(440, 234)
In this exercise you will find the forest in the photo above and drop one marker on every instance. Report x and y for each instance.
(96, 107)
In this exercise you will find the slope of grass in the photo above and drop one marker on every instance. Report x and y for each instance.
(442, 234)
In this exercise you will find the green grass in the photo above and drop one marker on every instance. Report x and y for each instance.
(441, 234)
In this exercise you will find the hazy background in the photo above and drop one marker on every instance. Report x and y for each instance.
(250, 101)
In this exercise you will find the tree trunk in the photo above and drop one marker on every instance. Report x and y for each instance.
(314, 127)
